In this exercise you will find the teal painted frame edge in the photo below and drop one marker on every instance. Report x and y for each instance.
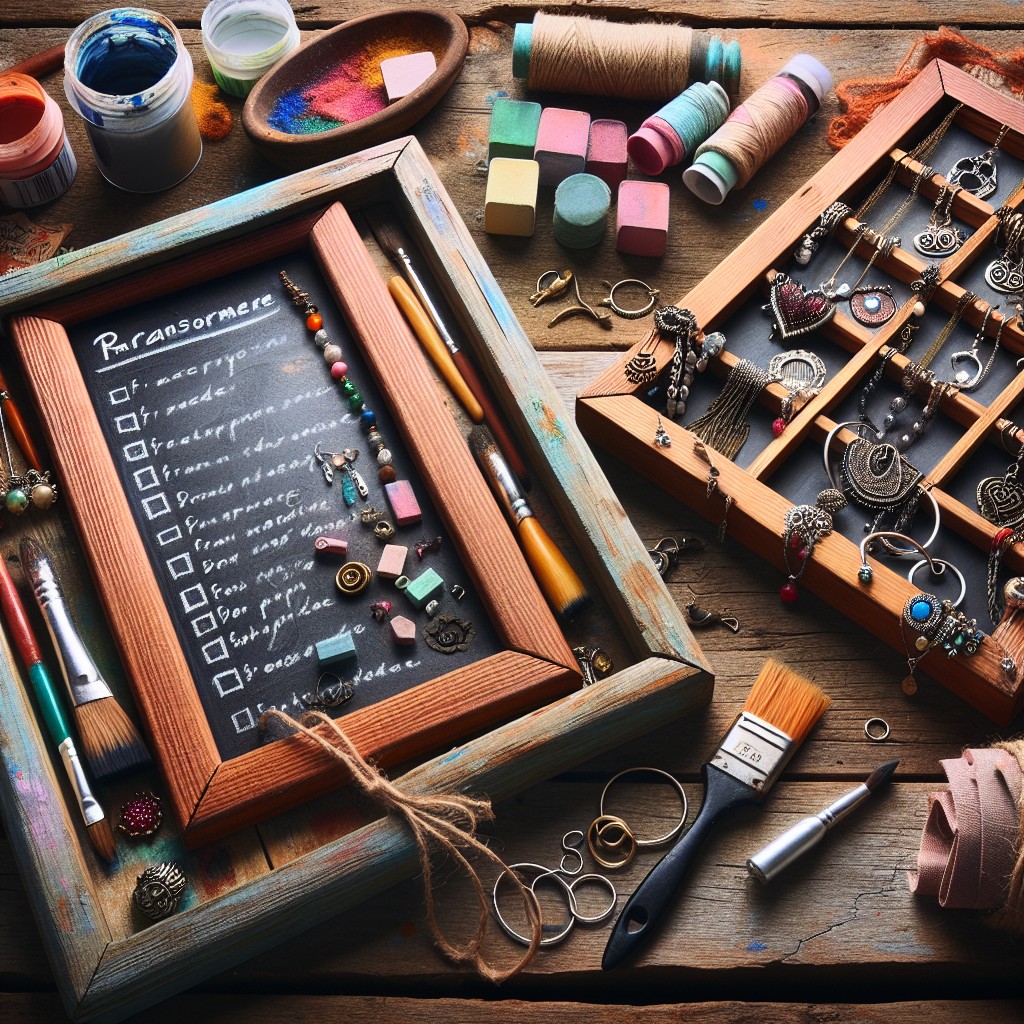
(106, 978)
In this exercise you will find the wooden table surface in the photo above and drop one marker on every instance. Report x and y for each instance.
(842, 927)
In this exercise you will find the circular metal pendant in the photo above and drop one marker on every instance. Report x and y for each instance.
(798, 369)
(938, 243)
(872, 309)
(1005, 276)
(353, 578)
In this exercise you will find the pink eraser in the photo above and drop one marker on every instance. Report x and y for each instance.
(392, 561)
(402, 75)
(561, 147)
(403, 630)
(326, 545)
(404, 505)
(641, 220)
(606, 151)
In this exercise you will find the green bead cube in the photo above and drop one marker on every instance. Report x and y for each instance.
(514, 126)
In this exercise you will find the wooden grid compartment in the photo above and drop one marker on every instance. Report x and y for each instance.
(771, 474)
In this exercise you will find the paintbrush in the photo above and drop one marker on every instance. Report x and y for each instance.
(562, 587)
(110, 742)
(97, 826)
(806, 834)
(779, 712)
(391, 241)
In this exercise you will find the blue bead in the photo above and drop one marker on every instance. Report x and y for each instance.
(367, 419)
(920, 610)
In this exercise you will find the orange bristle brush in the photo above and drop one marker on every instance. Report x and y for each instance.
(779, 712)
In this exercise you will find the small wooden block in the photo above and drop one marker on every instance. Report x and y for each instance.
(404, 506)
(510, 206)
(335, 650)
(424, 588)
(606, 152)
(403, 630)
(405, 74)
(641, 221)
(513, 131)
(561, 148)
(392, 561)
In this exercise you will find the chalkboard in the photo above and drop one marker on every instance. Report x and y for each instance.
(211, 401)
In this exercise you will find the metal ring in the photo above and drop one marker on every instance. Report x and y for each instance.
(872, 731)
(942, 566)
(630, 314)
(572, 846)
(676, 829)
(596, 836)
(575, 907)
(353, 578)
(383, 530)
(550, 873)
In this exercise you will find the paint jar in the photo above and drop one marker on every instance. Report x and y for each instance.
(36, 160)
(244, 39)
(127, 72)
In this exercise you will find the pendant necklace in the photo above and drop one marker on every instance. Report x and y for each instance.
(941, 238)
(1001, 498)
(1005, 274)
(977, 174)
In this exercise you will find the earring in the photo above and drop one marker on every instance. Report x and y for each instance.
(560, 283)
(31, 488)
(803, 527)
(702, 618)
(865, 574)
(661, 438)
(964, 380)
(977, 174)
(1005, 274)
(630, 314)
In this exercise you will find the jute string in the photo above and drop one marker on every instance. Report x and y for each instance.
(1011, 915)
(601, 58)
(446, 820)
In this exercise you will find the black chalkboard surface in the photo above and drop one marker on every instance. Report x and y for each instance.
(211, 401)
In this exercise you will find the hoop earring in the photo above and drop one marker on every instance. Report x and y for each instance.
(630, 314)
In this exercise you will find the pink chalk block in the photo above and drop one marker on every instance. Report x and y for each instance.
(606, 152)
(402, 75)
(641, 220)
(392, 561)
(403, 630)
(404, 506)
(561, 148)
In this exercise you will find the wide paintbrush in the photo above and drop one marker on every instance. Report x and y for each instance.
(779, 712)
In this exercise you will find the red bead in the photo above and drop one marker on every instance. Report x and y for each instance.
(795, 541)
(778, 426)
(314, 321)
(1002, 535)
(339, 369)
(788, 592)
(141, 816)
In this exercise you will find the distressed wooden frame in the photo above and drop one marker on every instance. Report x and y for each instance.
(611, 414)
(104, 973)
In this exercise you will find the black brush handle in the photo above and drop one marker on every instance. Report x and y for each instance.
(647, 906)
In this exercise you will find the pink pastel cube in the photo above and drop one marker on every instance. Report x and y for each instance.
(403, 75)
(641, 218)
(561, 148)
(606, 152)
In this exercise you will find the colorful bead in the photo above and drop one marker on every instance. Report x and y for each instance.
(141, 816)
(321, 338)
(16, 501)
(387, 475)
(778, 426)
(355, 401)
(332, 353)
(789, 592)
(314, 321)
(367, 419)
(865, 574)
(1001, 536)
(338, 370)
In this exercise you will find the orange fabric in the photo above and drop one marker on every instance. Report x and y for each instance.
(859, 98)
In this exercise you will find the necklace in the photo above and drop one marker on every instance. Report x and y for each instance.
(948, 328)
(941, 238)
(724, 426)
(1001, 498)
(977, 174)
(964, 380)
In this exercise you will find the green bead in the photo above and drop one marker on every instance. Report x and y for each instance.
(355, 401)
(16, 501)
(348, 387)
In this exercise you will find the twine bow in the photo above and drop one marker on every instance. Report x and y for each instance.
(447, 820)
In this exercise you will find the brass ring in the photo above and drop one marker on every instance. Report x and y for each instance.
(597, 838)
(676, 828)
(353, 578)
(384, 530)
(630, 314)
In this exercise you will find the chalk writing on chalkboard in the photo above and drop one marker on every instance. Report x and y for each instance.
(211, 401)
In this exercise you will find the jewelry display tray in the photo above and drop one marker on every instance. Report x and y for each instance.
(263, 885)
(963, 444)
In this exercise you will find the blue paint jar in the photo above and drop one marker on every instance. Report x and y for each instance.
(128, 74)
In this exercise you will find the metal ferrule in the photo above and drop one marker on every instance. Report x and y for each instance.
(754, 752)
(83, 677)
(421, 293)
(835, 812)
(91, 810)
(505, 486)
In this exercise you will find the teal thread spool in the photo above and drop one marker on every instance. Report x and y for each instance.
(673, 134)
(581, 211)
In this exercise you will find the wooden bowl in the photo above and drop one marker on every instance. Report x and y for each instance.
(438, 31)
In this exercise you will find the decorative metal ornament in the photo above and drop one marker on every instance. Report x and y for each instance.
(978, 174)
(666, 552)
(641, 367)
(1005, 274)
(941, 238)
(331, 691)
(802, 528)
(877, 476)
(969, 380)
(797, 311)
(448, 634)
(158, 890)
(557, 286)
(594, 663)
(830, 219)
(798, 368)
(672, 321)
(661, 438)
(703, 618)
(873, 308)
(1001, 499)
(353, 578)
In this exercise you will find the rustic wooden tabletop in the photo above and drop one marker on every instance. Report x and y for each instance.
(840, 936)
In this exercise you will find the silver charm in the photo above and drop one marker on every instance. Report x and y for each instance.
(671, 320)
(661, 438)
(941, 238)
(977, 174)
(1006, 274)
(158, 890)
(798, 369)
(827, 223)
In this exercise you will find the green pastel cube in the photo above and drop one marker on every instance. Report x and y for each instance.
(335, 650)
(514, 126)
(424, 588)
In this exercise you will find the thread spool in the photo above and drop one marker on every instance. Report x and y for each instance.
(244, 39)
(648, 61)
(36, 160)
(672, 134)
(581, 211)
(757, 129)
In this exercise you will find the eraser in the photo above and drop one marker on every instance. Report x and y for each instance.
(404, 506)
(335, 650)
(424, 588)
(561, 149)
(641, 219)
(403, 630)
(513, 131)
(326, 546)
(405, 74)
(606, 151)
(392, 561)
(510, 206)
(581, 211)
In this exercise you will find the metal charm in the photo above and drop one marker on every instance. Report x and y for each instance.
(594, 663)
(977, 174)
(560, 283)
(630, 314)
(448, 634)
(672, 321)
(701, 618)
(873, 308)
(795, 310)
(661, 438)
(328, 694)
(798, 369)
(353, 578)
(666, 552)
(941, 238)
(641, 367)
(158, 890)
(833, 216)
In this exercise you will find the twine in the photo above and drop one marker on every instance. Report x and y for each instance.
(448, 820)
(1011, 915)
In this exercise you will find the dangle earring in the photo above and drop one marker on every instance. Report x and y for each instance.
(964, 380)
(693, 350)
(31, 488)
(803, 527)
(1001, 499)
(941, 238)
(977, 174)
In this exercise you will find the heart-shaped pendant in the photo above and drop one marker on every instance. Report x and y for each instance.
(797, 311)
(1001, 501)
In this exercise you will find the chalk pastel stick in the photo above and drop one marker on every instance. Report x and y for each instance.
(606, 151)
(513, 131)
(426, 587)
(335, 650)
(403, 630)
(641, 220)
(392, 561)
(404, 506)
(510, 205)
(403, 75)
(561, 149)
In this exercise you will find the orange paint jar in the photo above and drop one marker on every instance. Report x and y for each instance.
(36, 160)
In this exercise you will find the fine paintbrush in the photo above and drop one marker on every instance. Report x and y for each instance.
(796, 841)
(110, 742)
(97, 826)
(561, 586)
(779, 712)
(391, 241)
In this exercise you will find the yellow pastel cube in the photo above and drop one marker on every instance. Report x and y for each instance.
(510, 206)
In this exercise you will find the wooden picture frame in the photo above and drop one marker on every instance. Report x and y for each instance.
(610, 411)
(104, 964)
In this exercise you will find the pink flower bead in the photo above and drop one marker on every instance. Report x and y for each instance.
(339, 369)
